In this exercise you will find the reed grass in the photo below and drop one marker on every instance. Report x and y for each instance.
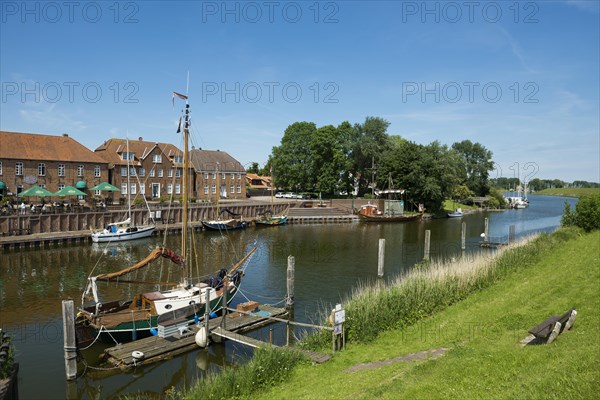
(268, 367)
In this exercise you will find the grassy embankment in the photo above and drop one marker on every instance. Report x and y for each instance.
(450, 206)
(570, 192)
(478, 310)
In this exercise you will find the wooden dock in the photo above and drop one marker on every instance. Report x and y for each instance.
(157, 349)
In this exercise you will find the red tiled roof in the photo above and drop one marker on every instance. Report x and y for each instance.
(29, 146)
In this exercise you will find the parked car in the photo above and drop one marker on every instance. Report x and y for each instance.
(279, 195)
(289, 195)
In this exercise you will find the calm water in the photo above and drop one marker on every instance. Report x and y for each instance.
(330, 261)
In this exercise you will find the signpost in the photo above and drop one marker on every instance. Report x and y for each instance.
(338, 336)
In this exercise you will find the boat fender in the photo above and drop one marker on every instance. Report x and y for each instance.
(137, 355)
(154, 331)
(212, 315)
(201, 338)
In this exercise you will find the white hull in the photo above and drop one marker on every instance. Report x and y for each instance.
(122, 235)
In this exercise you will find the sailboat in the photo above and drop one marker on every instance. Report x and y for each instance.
(267, 218)
(220, 224)
(393, 209)
(124, 230)
(147, 312)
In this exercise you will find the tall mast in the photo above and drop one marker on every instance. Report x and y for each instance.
(218, 190)
(128, 184)
(185, 186)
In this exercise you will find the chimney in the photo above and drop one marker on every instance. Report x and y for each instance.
(65, 134)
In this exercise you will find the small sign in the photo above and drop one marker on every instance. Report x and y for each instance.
(337, 329)
(30, 179)
(339, 317)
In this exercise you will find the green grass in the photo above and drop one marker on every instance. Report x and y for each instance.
(482, 334)
(570, 192)
(451, 205)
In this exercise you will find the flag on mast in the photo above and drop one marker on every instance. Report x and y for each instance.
(179, 95)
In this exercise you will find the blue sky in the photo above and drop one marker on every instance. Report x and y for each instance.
(520, 78)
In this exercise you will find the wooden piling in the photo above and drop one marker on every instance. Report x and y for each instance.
(381, 258)
(207, 314)
(511, 233)
(70, 345)
(291, 266)
(486, 231)
(427, 244)
(463, 236)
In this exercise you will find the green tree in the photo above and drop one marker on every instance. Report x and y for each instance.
(461, 192)
(477, 164)
(253, 168)
(292, 159)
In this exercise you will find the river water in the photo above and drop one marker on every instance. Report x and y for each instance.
(331, 259)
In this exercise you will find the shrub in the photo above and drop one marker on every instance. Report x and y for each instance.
(588, 213)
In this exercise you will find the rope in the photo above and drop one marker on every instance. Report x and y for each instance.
(102, 328)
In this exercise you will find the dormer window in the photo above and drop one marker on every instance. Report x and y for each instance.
(128, 156)
(157, 159)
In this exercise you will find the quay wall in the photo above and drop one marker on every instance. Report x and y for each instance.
(30, 224)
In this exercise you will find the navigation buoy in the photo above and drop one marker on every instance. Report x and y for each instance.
(201, 339)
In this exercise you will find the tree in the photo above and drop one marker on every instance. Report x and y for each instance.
(292, 159)
(477, 164)
(461, 192)
(253, 169)
(588, 213)
(369, 141)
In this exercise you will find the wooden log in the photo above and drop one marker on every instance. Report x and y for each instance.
(70, 345)
(291, 266)
(381, 258)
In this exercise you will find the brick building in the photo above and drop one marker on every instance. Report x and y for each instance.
(155, 169)
(217, 168)
(52, 162)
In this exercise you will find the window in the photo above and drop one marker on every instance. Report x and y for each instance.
(205, 189)
(178, 159)
(177, 188)
(170, 188)
(231, 189)
(41, 169)
(80, 170)
(127, 156)
(19, 169)
(61, 169)
(206, 176)
(42, 186)
(133, 188)
(178, 172)
(142, 188)
(61, 186)
(170, 173)
(239, 176)
(97, 193)
(97, 171)
(151, 173)
(157, 159)
(131, 171)
(160, 173)
(123, 188)
(142, 172)
(213, 188)
(214, 175)
(123, 171)
(232, 175)
(239, 188)
(223, 176)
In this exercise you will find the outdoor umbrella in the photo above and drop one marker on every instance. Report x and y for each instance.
(69, 191)
(107, 187)
(36, 191)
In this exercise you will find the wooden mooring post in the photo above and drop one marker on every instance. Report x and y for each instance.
(486, 233)
(427, 244)
(381, 258)
(463, 236)
(70, 345)
(511, 234)
(291, 266)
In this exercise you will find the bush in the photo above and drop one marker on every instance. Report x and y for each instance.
(587, 214)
